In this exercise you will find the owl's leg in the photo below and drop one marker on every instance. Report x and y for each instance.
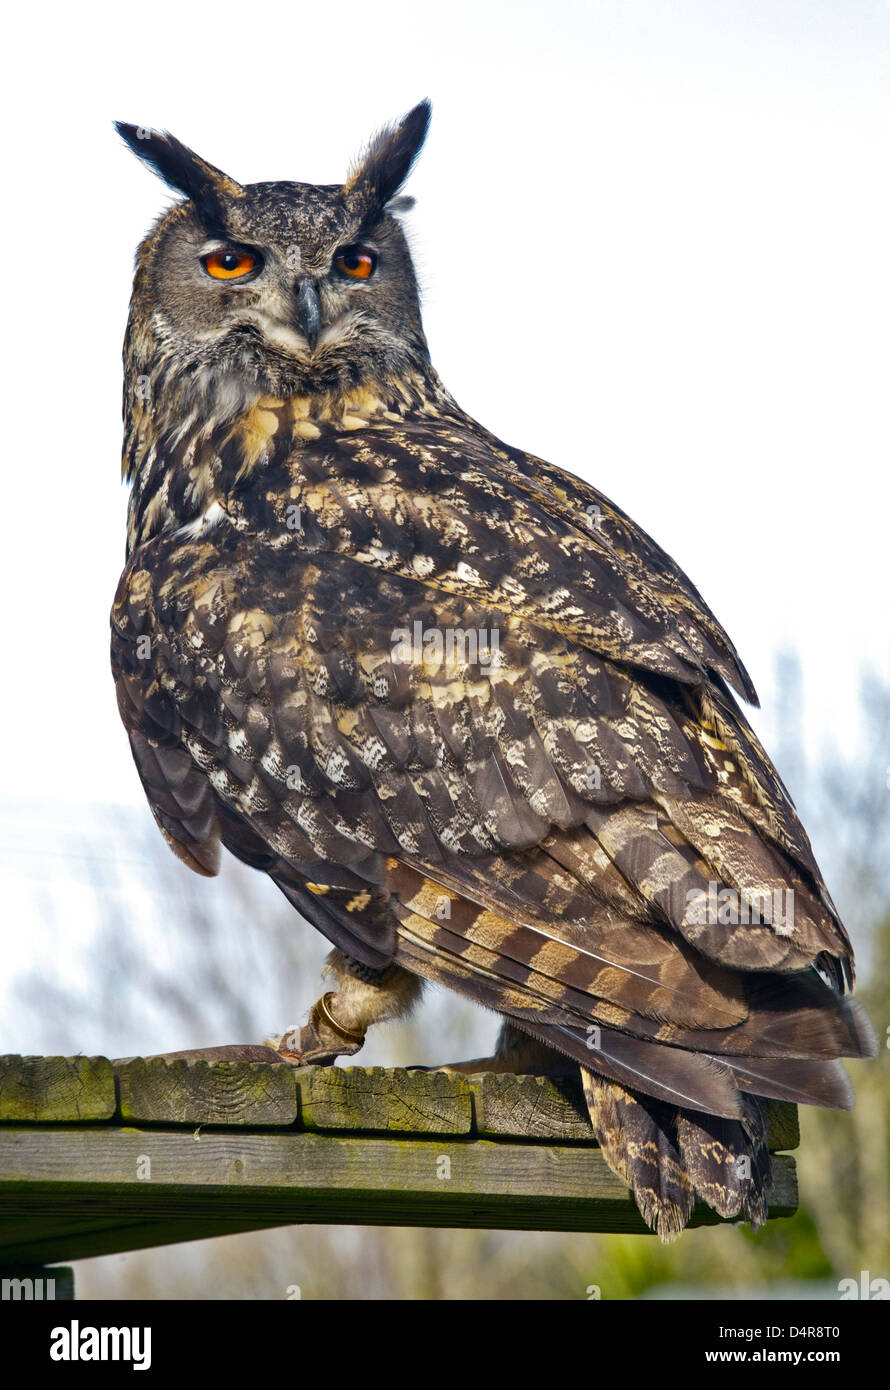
(518, 1053)
(339, 1020)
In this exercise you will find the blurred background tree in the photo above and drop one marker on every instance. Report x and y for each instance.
(138, 955)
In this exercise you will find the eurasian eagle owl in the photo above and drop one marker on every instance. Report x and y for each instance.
(469, 718)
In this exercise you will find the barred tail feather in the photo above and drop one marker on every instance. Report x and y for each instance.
(728, 1161)
(639, 1143)
(669, 1157)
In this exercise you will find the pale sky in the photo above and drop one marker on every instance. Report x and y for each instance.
(653, 240)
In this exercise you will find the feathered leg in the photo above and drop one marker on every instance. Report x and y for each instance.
(339, 1020)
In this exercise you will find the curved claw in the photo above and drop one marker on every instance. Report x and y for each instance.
(293, 1059)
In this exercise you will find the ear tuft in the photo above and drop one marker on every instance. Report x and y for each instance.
(403, 202)
(381, 171)
(183, 170)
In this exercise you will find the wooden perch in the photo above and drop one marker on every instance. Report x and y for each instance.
(98, 1157)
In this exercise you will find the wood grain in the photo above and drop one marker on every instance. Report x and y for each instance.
(537, 1107)
(43, 1089)
(201, 1093)
(196, 1147)
(248, 1180)
(382, 1100)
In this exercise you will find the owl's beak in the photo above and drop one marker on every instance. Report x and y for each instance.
(308, 311)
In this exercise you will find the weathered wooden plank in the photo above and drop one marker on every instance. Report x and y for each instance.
(201, 1093)
(286, 1178)
(530, 1107)
(384, 1100)
(191, 1090)
(537, 1107)
(56, 1089)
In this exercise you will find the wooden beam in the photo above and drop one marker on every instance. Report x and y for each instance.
(43, 1089)
(97, 1157)
(354, 1099)
(254, 1180)
(378, 1100)
(225, 1093)
(537, 1107)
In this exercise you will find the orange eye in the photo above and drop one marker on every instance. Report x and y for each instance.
(229, 265)
(355, 263)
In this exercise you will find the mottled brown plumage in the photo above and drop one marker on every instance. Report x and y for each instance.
(472, 721)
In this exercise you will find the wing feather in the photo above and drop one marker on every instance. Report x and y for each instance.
(569, 797)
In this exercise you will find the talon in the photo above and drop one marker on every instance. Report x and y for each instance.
(320, 1041)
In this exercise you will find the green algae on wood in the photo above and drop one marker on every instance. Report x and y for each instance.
(56, 1089)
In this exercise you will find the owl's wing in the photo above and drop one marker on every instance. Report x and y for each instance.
(446, 503)
(543, 828)
(569, 498)
(442, 502)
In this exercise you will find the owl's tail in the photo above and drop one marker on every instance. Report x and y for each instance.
(670, 1157)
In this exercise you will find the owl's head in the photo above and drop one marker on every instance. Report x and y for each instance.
(295, 288)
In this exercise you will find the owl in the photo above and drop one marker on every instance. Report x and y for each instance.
(471, 720)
